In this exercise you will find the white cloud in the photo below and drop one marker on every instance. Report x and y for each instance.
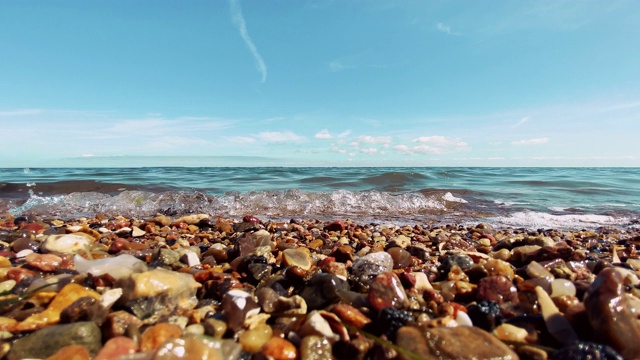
(21, 112)
(369, 151)
(441, 141)
(323, 134)
(337, 65)
(242, 139)
(239, 22)
(537, 141)
(344, 134)
(374, 139)
(443, 28)
(432, 145)
(278, 136)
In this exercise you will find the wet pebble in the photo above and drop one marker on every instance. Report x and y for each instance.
(497, 288)
(386, 291)
(47, 341)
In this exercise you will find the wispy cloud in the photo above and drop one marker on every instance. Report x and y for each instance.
(21, 112)
(239, 22)
(521, 121)
(369, 151)
(323, 134)
(279, 136)
(536, 141)
(366, 139)
(443, 28)
(344, 134)
(337, 65)
(432, 145)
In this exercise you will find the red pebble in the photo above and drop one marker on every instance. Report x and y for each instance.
(117, 347)
(18, 274)
(386, 291)
(44, 262)
(334, 226)
(251, 218)
(497, 288)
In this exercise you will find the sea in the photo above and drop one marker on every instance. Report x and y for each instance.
(531, 198)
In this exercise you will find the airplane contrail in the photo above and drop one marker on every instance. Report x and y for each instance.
(238, 21)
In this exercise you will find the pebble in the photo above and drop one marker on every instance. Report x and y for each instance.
(71, 352)
(453, 343)
(116, 347)
(367, 267)
(238, 305)
(295, 257)
(314, 347)
(277, 348)
(497, 288)
(309, 289)
(67, 243)
(611, 314)
(386, 291)
(253, 339)
(190, 348)
(153, 337)
(47, 341)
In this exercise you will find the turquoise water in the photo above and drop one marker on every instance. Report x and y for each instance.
(521, 197)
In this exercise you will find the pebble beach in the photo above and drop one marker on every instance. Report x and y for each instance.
(197, 286)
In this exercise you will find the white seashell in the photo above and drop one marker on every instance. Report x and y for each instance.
(557, 325)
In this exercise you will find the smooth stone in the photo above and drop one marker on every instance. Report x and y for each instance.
(251, 243)
(562, 287)
(71, 352)
(254, 338)
(194, 329)
(51, 315)
(167, 257)
(67, 243)
(367, 267)
(23, 253)
(463, 342)
(214, 327)
(47, 341)
(401, 257)
(295, 257)
(191, 348)
(277, 348)
(238, 305)
(496, 288)
(7, 285)
(178, 289)
(44, 262)
(84, 309)
(137, 232)
(611, 314)
(314, 347)
(24, 244)
(192, 219)
(116, 347)
(118, 267)
(118, 322)
(402, 241)
(152, 338)
(386, 291)
(323, 289)
(316, 324)
(351, 315)
(190, 258)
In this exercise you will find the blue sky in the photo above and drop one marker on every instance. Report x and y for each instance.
(320, 83)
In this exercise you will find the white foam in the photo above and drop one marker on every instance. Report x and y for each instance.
(534, 219)
(449, 197)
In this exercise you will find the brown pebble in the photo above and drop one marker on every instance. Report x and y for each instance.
(497, 288)
(71, 352)
(350, 315)
(154, 336)
(278, 348)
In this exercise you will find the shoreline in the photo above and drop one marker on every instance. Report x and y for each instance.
(284, 289)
